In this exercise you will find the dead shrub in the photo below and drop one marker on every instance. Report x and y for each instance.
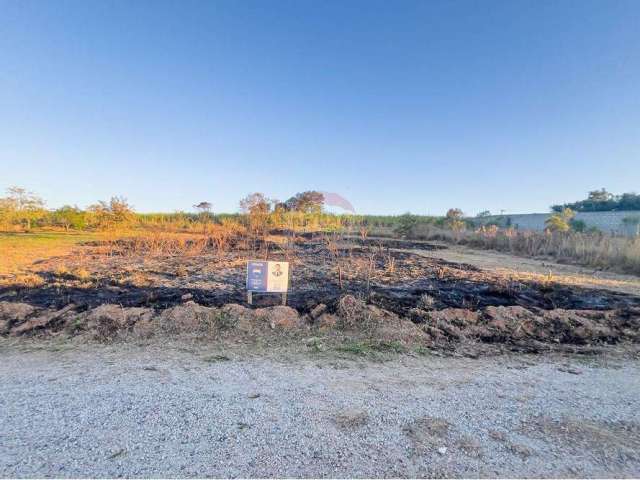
(428, 432)
(109, 321)
(352, 312)
(213, 239)
(426, 302)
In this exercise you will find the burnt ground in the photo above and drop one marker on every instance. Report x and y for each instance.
(436, 302)
(321, 272)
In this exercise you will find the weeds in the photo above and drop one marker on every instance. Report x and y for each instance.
(331, 242)
(367, 348)
(426, 302)
(355, 348)
(597, 250)
(315, 345)
(82, 274)
(28, 280)
(423, 351)
(392, 346)
(224, 320)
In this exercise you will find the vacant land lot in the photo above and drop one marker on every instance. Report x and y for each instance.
(209, 410)
(137, 355)
(407, 293)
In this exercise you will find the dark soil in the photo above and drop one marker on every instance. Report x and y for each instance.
(321, 272)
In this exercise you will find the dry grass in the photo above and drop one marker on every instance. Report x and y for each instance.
(82, 274)
(215, 239)
(600, 251)
(28, 280)
(18, 251)
(575, 280)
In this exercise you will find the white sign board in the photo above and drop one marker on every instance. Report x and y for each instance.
(263, 276)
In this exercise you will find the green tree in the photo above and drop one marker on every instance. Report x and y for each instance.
(257, 208)
(69, 217)
(603, 201)
(306, 202)
(116, 212)
(255, 203)
(600, 196)
(22, 207)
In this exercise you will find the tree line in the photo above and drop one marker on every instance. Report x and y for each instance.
(602, 201)
(24, 209)
(21, 209)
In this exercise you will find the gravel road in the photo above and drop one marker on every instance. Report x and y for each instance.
(182, 410)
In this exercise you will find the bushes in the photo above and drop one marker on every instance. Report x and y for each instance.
(406, 223)
(116, 213)
(25, 210)
(560, 222)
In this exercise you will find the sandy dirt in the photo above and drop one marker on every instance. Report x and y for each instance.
(188, 410)
(515, 267)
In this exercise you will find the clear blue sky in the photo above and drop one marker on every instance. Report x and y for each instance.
(396, 105)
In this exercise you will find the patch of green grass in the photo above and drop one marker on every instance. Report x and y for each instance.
(424, 351)
(315, 345)
(74, 326)
(58, 347)
(364, 348)
(393, 347)
(219, 319)
(355, 348)
(224, 320)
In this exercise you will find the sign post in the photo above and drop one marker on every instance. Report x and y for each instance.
(267, 277)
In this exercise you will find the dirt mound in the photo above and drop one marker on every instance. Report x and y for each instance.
(46, 319)
(108, 321)
(190, 317)
(357, 317)
(326, 321)
(352, 317)
(353, 312)
(11, 313)
(517, 324)
(279, 316)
